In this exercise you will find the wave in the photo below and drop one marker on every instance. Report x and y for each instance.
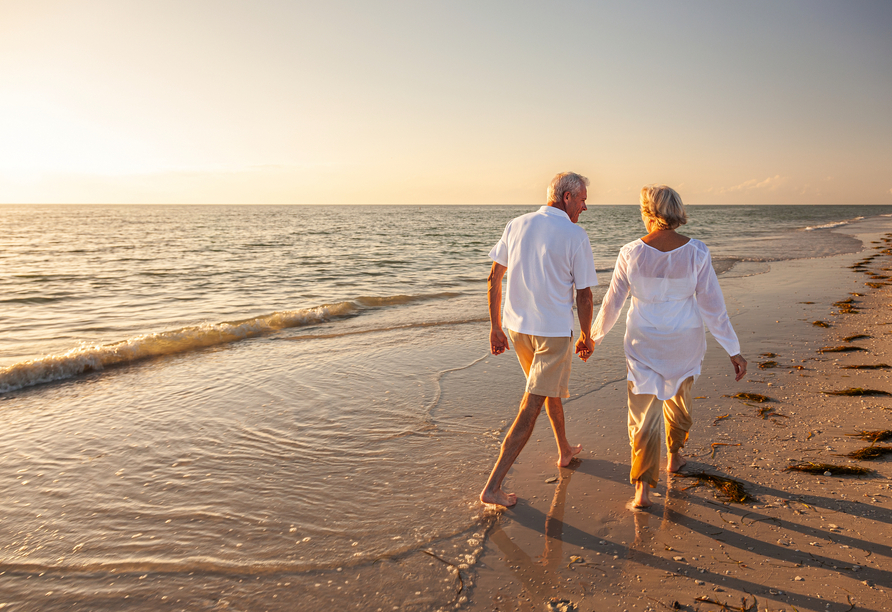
(833, 224)
(91, 358)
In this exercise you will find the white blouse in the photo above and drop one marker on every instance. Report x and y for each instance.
(673, 294)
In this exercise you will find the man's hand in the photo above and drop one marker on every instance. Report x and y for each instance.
(585, 346)
(498, 341)
(739, 364)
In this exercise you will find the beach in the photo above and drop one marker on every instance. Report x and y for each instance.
(799, 542)
(232, 408)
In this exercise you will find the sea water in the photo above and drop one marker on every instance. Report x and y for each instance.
(274, 407)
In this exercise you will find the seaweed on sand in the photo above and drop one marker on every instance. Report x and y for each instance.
(732, 489)
(822, 468)
(856, 337)
(769, 355)
(753, 397)
(821, 323)
(767, 411)
(873, 436)
(875, 366)
(875, 285)
(859, 392)
(841, 349)
(765, 365)
(843, 302)
(847, 309)
(870, 452)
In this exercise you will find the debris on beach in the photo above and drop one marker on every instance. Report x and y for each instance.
(561, 605)
(875, 285)
(765, 365)
(828, 469)
(731, 489)
(769, 355)
(846, 306)
(551, 480)
(767, 411)
(714, 445)
(744, 606)
(724, 416)
(856, 337)
(859, 392)
(841, 349)
(821, 323)
(753, 397)
(873, 436)
(876, 366)
(870, 453)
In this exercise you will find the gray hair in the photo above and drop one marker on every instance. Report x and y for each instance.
(663, 206)
(563, 183)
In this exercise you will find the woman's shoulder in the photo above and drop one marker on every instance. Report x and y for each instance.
(698, 245)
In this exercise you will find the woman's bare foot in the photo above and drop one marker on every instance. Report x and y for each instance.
(676, 462)
(642, 495)
(564, 460)
(498, 497)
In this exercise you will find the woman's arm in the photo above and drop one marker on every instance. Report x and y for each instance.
(711, 303)
(613, 301)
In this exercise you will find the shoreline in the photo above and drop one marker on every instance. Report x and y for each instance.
(801, 542)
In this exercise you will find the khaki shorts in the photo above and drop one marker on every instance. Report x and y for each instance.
(546, 363)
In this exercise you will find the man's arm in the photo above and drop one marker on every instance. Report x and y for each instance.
(498, 341)
(584, 308)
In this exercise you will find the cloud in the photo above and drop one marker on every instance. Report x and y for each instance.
(770, 184)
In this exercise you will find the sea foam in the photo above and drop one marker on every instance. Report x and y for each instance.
(90, 358)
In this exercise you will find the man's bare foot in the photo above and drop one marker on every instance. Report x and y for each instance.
(498, 497)
(564, 460)
(675, 463)
(642, 495)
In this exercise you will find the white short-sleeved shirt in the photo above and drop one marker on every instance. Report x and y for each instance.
(673, 294)
(546, 255)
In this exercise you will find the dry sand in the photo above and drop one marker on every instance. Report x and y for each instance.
(801, 542)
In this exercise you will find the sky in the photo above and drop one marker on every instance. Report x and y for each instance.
(436, 102)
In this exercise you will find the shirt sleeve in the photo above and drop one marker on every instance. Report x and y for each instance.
(613, 301)
(583, 265)
(499, 253)
(711, 303)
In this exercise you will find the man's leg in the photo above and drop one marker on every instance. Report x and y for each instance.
(555, 410)
(518, 435)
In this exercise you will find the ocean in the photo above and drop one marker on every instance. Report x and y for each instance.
(259, 407)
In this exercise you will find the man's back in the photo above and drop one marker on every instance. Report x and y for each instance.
(546, 255)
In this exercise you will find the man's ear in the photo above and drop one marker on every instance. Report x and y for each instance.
(567, 196)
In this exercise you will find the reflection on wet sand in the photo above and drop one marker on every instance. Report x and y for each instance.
(538, 575)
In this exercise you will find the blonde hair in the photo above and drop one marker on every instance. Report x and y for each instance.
(563, 183)
(663, 206)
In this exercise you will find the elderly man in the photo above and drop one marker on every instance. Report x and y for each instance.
(544, 254)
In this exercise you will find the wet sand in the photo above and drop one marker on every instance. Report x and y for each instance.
(800, 542)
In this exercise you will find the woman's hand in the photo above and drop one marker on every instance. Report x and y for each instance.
(739, 364)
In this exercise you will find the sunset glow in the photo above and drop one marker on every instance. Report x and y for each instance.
(399, 102)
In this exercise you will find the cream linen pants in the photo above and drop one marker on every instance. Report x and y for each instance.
(644, 429)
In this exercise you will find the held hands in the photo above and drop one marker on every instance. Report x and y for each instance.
(498, 341)
(739, 364)
(585, 346)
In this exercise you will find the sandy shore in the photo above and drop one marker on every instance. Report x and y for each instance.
(800, 542)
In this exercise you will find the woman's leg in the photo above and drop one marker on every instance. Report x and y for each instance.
(644, 438)
(677, 416)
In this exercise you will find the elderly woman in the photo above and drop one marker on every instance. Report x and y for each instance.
(674, 292)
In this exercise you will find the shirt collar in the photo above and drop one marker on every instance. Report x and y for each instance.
(555, 212)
